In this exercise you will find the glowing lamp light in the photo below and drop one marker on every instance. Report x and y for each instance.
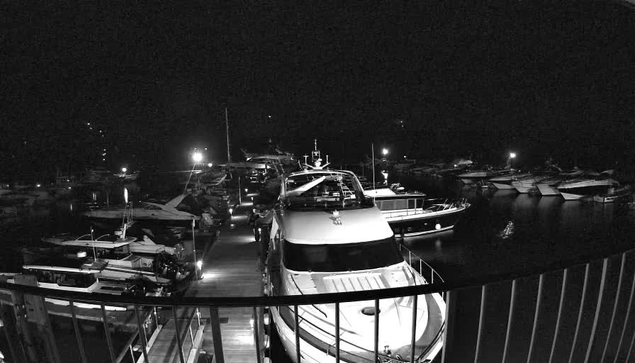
(209, 165)
(437, 226)
(199, 264)
(512, 155)
(124, 170)
(38, 185)
(197, 157)
(384, 151)
(81, 254)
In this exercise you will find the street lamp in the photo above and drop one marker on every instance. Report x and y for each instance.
(124, 170)
(197, 157)
(512, 156)
(384, 152)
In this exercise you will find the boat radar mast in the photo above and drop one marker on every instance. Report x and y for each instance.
(316, 159)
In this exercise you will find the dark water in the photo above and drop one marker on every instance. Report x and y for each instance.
(501, 233)
(505, 232)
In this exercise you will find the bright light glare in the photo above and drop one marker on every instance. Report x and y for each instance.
(197, 157)
(209, 165)
(124, 169)
(199, 264)
(384, 151)
(512, 155)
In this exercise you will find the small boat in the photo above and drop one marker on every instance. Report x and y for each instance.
(578, 189)
(614, 195)
(506, 181)
(173, 211)
(77, 276)
(412, 214)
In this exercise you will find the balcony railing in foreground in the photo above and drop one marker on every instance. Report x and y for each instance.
(579, 313)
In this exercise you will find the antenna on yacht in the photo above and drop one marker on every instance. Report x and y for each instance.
(92, 238)
(229, 158)
(372, 157)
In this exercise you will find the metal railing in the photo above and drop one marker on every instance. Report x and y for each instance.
(569, 313)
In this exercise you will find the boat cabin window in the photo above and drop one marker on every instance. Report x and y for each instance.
(64, 278)
(341, 257)
(324, 191)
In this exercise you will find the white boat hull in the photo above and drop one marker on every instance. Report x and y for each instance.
(548, 190)
(571, 196)
(503, 186)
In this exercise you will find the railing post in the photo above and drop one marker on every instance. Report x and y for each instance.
(376, 344)
(297, 333)
(107, 332)
(580, 311)
(597, 310)
(142, 335)
(481, 322)
(536, 312)
(510, 315)
(448, 308)
(216, 335)
(337, 332)
(617, 299)
(257, 332)
(78, 335)
(628, 314)
(178, 333)
(414, 328)
(565, 278)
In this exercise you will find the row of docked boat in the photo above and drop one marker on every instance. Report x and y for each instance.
(114, 264)
(572, 185)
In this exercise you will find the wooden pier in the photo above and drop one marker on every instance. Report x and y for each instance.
(231, 267)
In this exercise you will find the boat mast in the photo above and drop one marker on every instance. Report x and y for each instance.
(229, 158)
(372, 153)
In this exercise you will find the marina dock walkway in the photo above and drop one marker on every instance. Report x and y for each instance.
(231, 268)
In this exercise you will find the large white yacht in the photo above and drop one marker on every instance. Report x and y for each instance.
(328, 237)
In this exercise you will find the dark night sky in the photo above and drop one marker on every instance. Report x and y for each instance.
(538, 77)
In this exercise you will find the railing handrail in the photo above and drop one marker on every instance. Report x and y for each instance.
(264, 301)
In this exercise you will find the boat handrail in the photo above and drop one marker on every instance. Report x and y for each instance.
(415, 261)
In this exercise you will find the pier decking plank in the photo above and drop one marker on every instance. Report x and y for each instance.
(231, 268)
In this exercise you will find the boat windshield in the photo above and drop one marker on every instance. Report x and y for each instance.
(324, 190)
(341, 257)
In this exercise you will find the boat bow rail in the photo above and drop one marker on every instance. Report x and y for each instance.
(600, 317)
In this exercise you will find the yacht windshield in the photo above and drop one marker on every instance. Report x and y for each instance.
(341, 257)
(327, 190)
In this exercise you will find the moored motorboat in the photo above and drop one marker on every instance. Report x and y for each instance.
(172, 212)
(412, 214)
(77, 276)
(614, 195)
(328, 237)
(577, 189)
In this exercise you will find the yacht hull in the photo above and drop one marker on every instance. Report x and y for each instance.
(416, 225)
(321, 349)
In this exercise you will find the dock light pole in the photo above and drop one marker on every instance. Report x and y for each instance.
(512, 156)
(197, 264)
(197, 157)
